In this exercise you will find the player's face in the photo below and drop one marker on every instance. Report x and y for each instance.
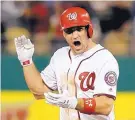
(77, 39)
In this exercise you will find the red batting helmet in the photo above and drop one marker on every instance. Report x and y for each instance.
(76, 16)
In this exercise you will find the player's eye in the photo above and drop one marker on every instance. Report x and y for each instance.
(68, 30)
(79, 29)
(71, 30)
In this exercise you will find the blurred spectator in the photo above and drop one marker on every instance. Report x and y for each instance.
(133, 9)
(109, 13)
(11, 10)
(54, 21)
(40, 11)
(96, 30)
(42, 44)
(118, 39)
(87, 6)
(10, 34)
(27, 20)
(57, 39)
(132, 43)
(3, 39)
(36, 17)
(103, 13)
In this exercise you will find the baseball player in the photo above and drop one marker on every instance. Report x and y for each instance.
(84, 73)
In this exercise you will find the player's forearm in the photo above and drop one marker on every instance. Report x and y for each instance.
(25, 51)
(34, 80)
(103, 105)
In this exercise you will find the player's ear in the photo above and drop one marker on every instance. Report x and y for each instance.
(64, 34)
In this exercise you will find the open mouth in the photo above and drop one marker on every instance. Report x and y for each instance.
(77, 43)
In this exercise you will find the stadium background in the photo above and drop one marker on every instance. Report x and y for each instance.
(114, 26)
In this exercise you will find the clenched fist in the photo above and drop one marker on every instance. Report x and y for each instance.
(24, 49)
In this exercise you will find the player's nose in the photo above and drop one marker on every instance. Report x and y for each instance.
(75, 34)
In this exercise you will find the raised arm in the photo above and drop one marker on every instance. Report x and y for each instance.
(25, 50)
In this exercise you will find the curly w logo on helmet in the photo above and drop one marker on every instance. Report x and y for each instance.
(72, 16)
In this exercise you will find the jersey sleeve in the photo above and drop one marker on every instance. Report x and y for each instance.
(48, 75)
(106, 80)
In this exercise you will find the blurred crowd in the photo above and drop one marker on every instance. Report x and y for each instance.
(113, 22)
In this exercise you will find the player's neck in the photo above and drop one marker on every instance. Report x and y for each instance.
(91, 44)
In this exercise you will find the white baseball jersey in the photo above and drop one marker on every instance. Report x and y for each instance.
(94, 72)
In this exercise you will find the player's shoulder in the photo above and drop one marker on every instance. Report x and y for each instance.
(106, 55)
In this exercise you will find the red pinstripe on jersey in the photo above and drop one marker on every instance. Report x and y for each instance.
(78, 68)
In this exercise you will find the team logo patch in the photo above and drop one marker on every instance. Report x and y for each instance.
(72, 16)
(111, 78)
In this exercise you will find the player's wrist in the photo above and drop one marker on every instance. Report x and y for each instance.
(26, 62)
(79, 105)
(73, 103)
(89, 105)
